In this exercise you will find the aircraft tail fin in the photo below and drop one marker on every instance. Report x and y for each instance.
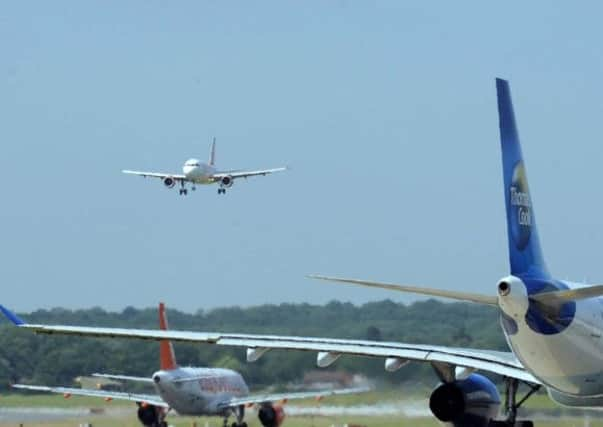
(167, 358)
(212, 153)
(525, 254)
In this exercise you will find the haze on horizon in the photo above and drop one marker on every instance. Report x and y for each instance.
(385, 112)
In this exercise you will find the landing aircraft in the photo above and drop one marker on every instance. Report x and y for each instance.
(553, 327)
(196, 172)
(193, 391)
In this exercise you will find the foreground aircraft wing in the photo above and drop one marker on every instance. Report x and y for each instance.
(246, 174)
(283, 397)
(178, 177)
(124, 378)
(328, 349)
(109, 395)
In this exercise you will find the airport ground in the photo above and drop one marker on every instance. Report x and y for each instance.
(56, 411)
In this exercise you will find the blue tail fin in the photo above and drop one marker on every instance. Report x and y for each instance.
(525, 254)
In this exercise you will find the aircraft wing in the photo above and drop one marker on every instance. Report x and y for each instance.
(328, 349)
(178, 177)
(246, 174)
(69, 391)
(282, 397)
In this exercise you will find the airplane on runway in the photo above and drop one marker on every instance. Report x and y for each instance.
(196, 172)
(193, 391)
(553, 327)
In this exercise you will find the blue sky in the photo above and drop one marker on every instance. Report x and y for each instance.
(385, 112)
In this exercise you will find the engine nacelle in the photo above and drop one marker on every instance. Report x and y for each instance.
(149, 415)
(169, 182)
(271, 415)
(226, 181)
(472, 402)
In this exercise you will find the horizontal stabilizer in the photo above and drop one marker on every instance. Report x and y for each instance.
(462, 296)
(568, 295)
(124, 378)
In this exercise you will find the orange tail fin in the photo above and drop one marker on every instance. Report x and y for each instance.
(167, 358)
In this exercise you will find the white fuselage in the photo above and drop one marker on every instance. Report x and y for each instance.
(569, 361)
(198, 172)
(198, 391)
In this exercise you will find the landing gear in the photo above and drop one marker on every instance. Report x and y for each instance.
(238, 412)
(183, 191)
(221, 190)
(511, 404)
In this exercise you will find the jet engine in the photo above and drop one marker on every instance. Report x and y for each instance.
(472, 402)
(169, 182)
(151, 416)
(271, 415)
(226, 181)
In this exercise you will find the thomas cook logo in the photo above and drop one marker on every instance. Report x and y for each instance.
(521, 207)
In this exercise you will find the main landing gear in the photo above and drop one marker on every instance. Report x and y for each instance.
(221, 190)
(239, 412)
(511, 404)
(182, 191)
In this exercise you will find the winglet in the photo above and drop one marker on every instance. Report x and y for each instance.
(12, 316)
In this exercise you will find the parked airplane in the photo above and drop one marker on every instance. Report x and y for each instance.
(193, 391)
(196, 172)
(554, 328)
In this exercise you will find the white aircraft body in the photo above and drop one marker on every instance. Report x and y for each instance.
(196, 172)
(194, 392)
(554, 328)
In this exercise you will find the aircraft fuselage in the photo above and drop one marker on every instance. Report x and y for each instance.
(198, 391)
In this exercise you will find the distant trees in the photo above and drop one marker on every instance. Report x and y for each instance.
(26, 357)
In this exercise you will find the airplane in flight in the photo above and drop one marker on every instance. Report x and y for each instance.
(193, 391)
(196, 172)
(554, 328)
